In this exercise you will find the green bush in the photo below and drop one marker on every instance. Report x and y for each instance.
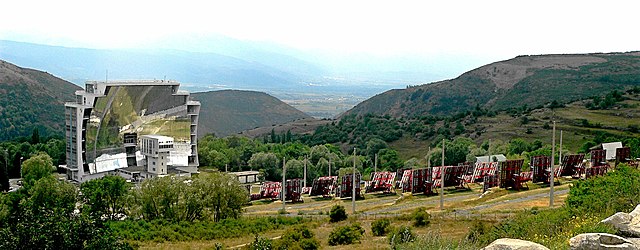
(402, 235)
(346, 235)
(421, 218)
(260, 243)
(337, 213)
(617, 191)
(432, 240)
(299, 237)
(380, 227)
(477, 231)
(161, 230)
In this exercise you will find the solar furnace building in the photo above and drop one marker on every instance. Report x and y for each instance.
(137, 129)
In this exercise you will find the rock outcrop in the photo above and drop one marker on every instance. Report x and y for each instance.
(591, 241)
(627, 224)
(514, 244)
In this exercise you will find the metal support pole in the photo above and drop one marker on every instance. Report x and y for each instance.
(305, 173)
(429, 159)
(560, 150)
(353, 181)
(284, 183)
(329, 167)
(553, 150)
(375, 164)
(442, 172)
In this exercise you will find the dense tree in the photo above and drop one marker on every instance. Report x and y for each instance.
(36, 167)
(294, 168)
(170, 198)
(518, 146)
(389, 159)
(374, 146)
(216, 195)
(456, 151)
(105, 198)
(42, 217)
(4, 172)
(268, 164)
(221, 194)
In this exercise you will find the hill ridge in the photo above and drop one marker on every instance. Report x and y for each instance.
(512, 83)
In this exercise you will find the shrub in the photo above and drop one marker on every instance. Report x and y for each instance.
(299, 237)
(337, 213)
(260, 243)
(615, 192)
(477, 231)
(380, 227)
(436, 241)
(421, 218)
(346, 235)
(402, 235)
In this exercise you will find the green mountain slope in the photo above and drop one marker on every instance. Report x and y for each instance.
(31, 99)
(525, 80)
(229, 112)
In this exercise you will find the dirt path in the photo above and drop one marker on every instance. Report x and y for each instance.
(516, 200)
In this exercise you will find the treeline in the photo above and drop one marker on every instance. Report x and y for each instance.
(47, 213)
(42, 214)
(241, 154)
(13, 153)
(237, 153)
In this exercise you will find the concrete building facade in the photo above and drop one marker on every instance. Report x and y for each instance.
(121, 126)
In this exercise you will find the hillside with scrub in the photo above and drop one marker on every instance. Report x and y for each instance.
(524, 81)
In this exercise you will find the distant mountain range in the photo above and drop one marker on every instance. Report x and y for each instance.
(524, 81)
(32, 99)
(203, 70)
(215, 62)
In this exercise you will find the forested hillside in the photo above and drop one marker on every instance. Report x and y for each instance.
(31, 99)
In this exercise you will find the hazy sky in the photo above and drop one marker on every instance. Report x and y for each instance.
(479, 28)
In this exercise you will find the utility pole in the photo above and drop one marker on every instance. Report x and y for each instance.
(442, 172)
(329, 166)
(353, 188)
(429, 158)
(560, 150)
(226, 167)
(284, 183)
(305, 173)
(553, 150)
(375, 164)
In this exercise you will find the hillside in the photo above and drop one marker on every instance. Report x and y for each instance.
(228, 112)
(29, 99)
(580, 126)
(525, 80)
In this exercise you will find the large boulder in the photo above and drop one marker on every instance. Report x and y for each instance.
(627, 224)
(590, 241)
(513, 244)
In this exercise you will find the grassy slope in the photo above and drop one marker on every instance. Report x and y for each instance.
(525, 80)
(568, 119)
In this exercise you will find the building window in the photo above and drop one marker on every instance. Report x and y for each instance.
(153, 169)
